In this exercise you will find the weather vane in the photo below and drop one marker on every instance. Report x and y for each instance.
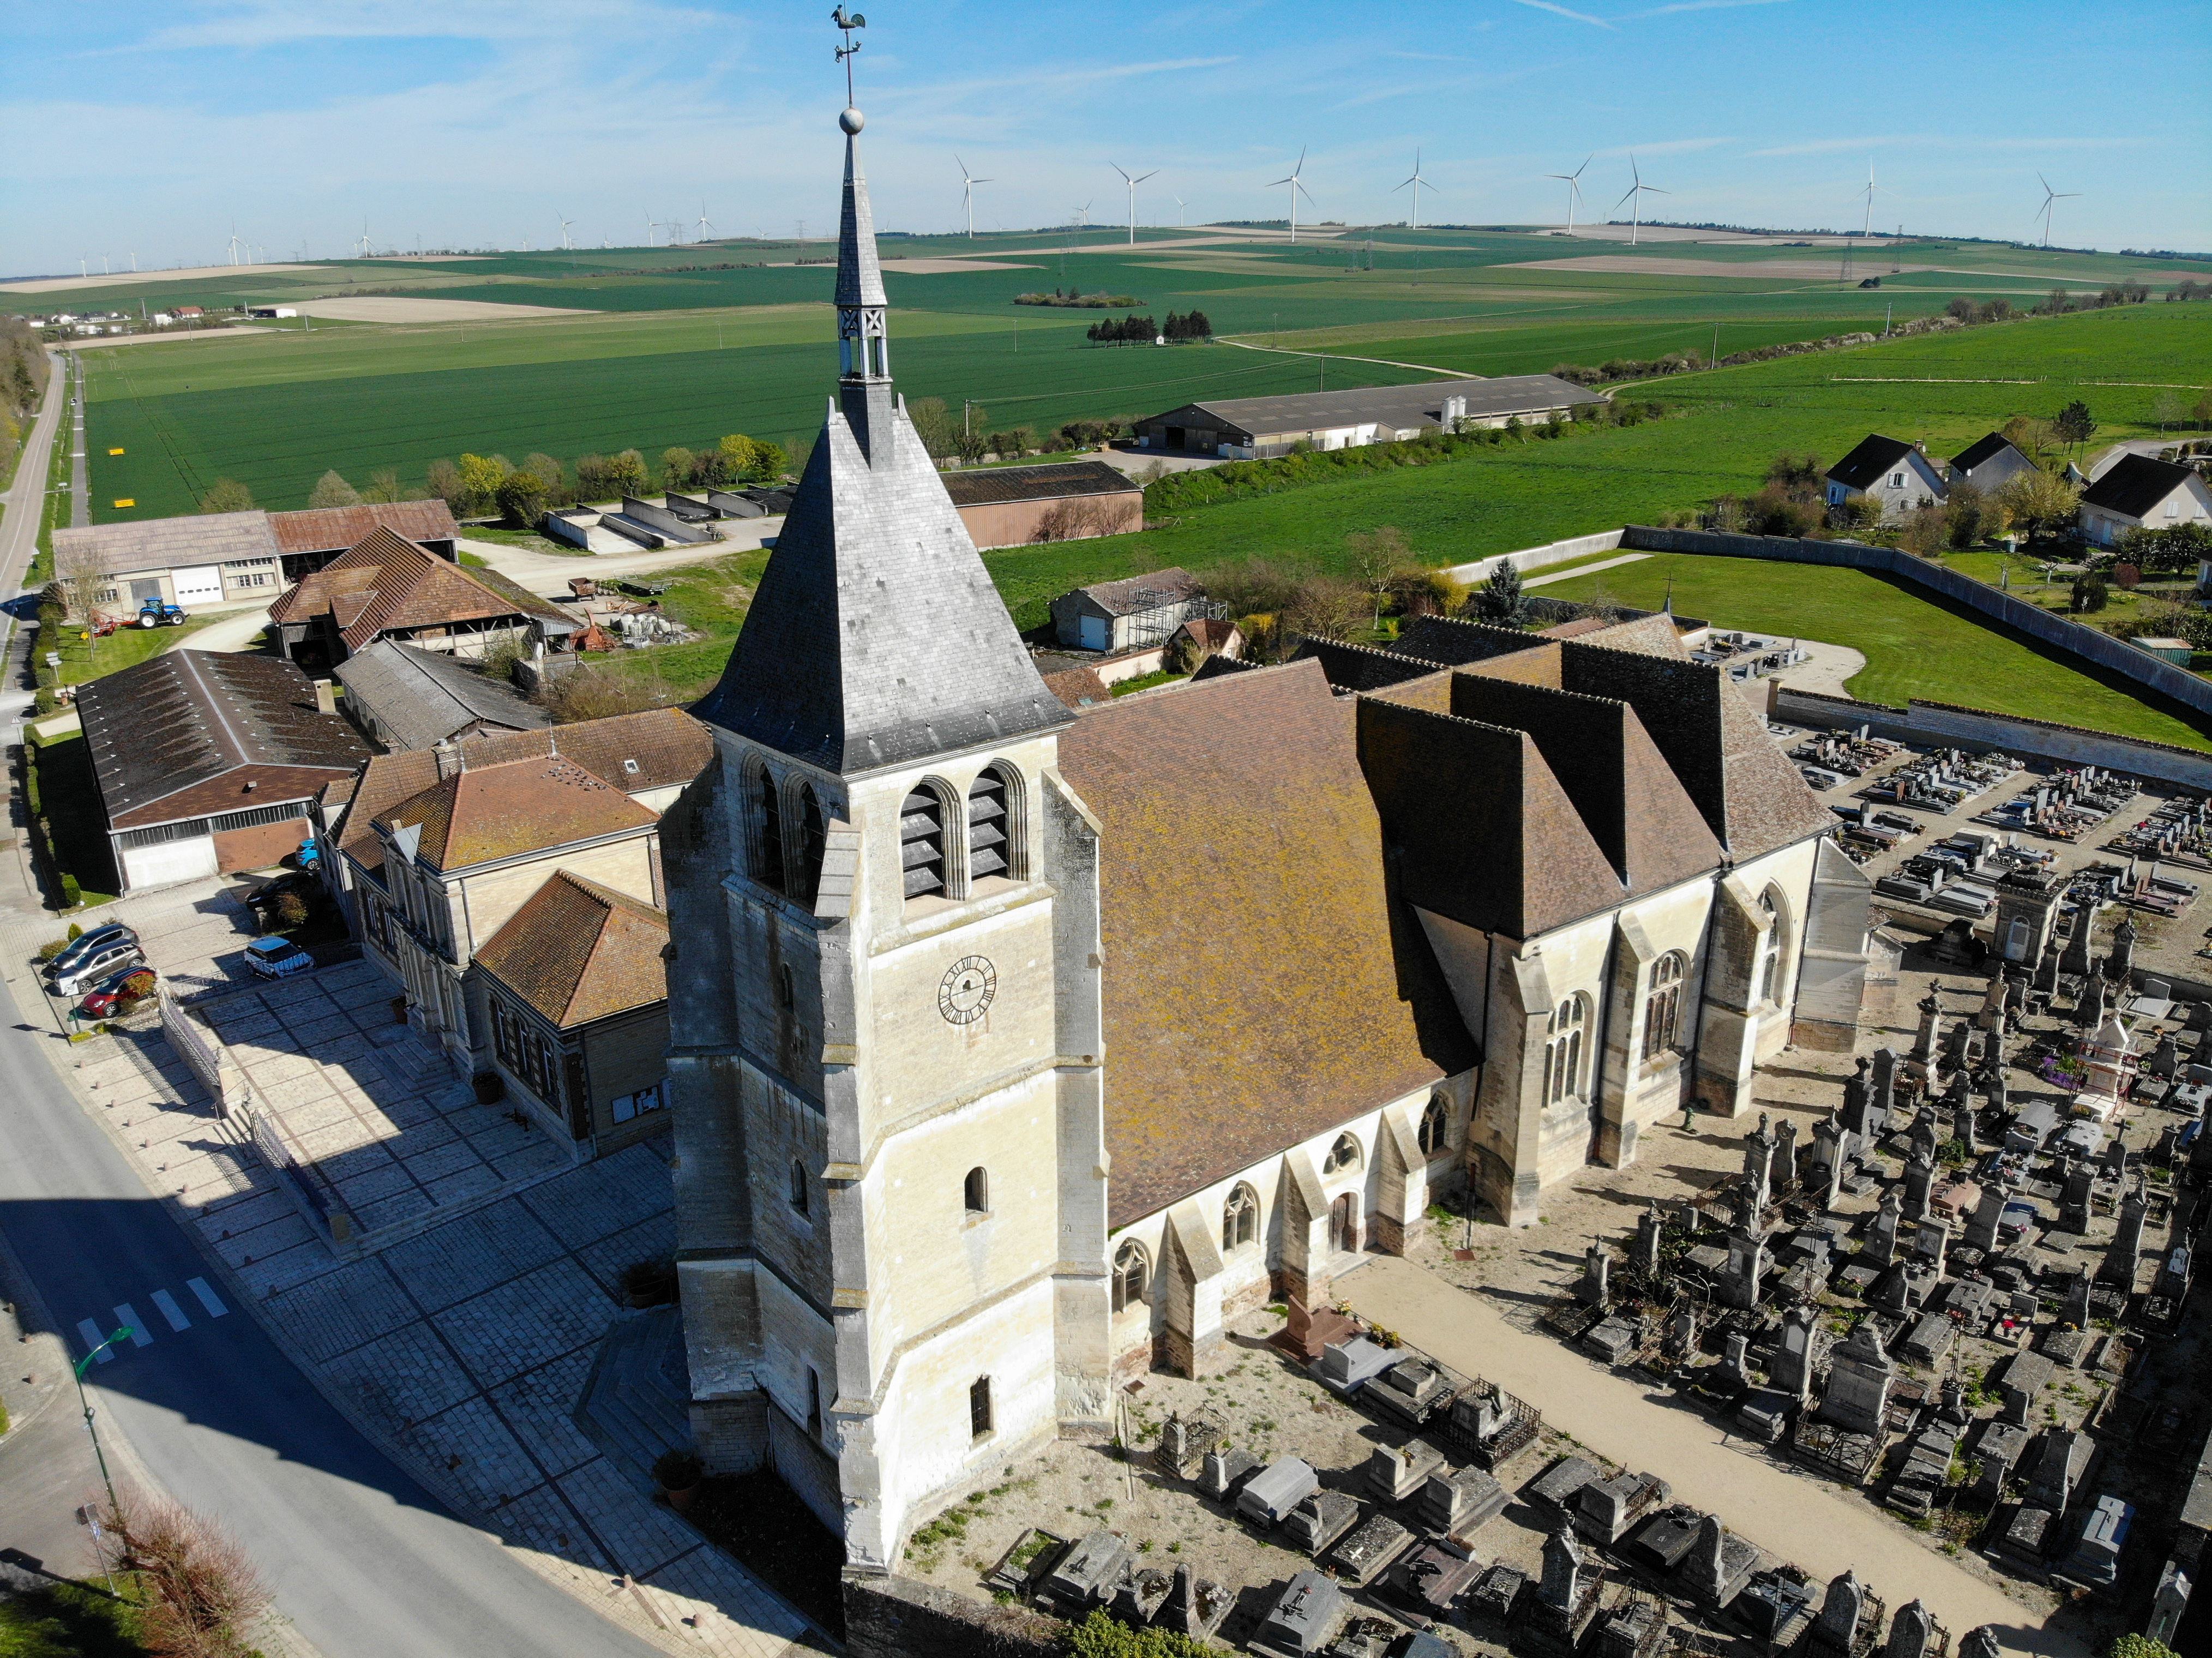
(848, 22)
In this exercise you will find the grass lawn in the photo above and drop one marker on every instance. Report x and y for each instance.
(1914, 647)
(86, 658)
(60, 1620)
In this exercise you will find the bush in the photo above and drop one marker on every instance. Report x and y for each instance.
(521, 499)
(51, 948)
(206, 1593)
(285, 912)
(1500, 601)
(1099, 1636)
(2139, 1646)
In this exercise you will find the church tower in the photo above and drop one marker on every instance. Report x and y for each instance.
(884, 997)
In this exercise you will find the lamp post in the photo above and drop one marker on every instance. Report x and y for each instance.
(98, 1455)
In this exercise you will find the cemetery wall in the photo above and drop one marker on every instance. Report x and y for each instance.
(897, 1617)
(1535, 558)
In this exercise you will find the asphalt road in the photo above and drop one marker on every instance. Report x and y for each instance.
(365, 1563)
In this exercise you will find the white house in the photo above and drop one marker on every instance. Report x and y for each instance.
(2140, 493)
(1990, 464)
(1890, 470)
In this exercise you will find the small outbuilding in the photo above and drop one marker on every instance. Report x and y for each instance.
(1255, 429)
(408, 698)
(209, 763)
(1132, 614)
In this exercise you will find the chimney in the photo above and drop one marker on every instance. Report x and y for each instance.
(326, 700)
(450, 763)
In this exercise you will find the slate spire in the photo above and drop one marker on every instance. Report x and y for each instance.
(875, 638)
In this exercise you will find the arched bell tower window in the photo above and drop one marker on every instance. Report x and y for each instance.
(998, 839)
(768, 829)
(806, 845)
(930, 844)
(1132, 1273)
(1563, 1049)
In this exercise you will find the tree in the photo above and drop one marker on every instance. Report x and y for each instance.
(2139, 1646)
(1966, 515)
(1378, 554)
(2168, 551)
(2089, 594)
(2167, 408)
(1327, 607)
(228, 496)
(331, 490)
(521, 498)
(480, 478)
(444, 480)
(677, 466)
(934, 423)
(2073, 423)
(2038, 503)
(1499, 601)
(383, 485)
(1924, 531)
(2028, 434)
(206, 1596)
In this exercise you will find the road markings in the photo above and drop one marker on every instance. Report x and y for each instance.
(126, 1314)
(93, 1339)
(208, 1299)
(171, 1311)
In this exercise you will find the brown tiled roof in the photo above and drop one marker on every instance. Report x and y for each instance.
(1456, 641)
(578, 952)
(386, 583)
(1211, 633)
(1581, 625)
(325, 529)
(654, 749)
(487, 813)
(1260, 985)
(1654, 635)
(1054, 479)
(1079, 688)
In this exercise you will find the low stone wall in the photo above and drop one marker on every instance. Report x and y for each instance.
(1535, 558)
(1948, 726)
(899, 1618)
(2114, 655)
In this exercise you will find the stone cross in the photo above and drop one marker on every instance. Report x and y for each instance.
(1919, 1182)
(1993, 1004)
(1929, 1040)
(2074, 1196)
(1982, 1228)
(1838, 1625)
(1858, 1098)
(1881, 1235)
(1561, 1586)
(1911, 1632)
(1650, 1230)
(1792, 1370)
(1597, 1268)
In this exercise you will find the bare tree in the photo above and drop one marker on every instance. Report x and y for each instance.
(206, 1593)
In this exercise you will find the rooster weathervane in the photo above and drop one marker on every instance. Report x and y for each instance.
(848, 22)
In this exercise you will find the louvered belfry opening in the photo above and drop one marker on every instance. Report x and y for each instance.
(988, 849)
(921, 843)
(767, 845)
(806, 875)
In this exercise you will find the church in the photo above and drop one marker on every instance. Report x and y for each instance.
(1015, 1050)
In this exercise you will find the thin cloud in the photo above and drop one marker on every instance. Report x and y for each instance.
(1698, 5)
(1561, 11)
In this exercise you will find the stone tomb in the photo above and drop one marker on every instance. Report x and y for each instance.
(1085, 1575)
(1394, 1476)
(1222, 1474)
(1344, 1367)
(1555, 1488)
(1320, 1520)
(1850, 1620)
(1459, 1504)
(1429, 1579)
(1717, 1566)
(1496, 1594)
(1635, 1627)
(1412, 1390)
(1371, 1549)
(1303, 1619)
(1270, 1496)
(1607, 1510)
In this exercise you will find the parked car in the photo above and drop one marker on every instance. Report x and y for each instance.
(111, 957)
(132, 984)
(278, 958)
(81, 946)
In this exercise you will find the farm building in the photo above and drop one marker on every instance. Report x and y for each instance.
(406, 697)
(1253, 429)
(2142, 493)
(388, 587)
(227, 558)
(207, 763)
(1897, 474)
(1061, 501)
(1132, 614)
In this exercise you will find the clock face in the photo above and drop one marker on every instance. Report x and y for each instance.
(966, 991)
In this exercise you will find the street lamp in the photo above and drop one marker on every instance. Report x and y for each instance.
(98, 1455)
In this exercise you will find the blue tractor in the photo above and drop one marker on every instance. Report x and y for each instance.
(158, 612)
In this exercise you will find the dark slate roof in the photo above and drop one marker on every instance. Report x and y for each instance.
(994, 484)
(1217, 666)
(1260, 986)
(1875, 455)
(419, 696)
(1362, 667)
(1398, 406)
(1988, 446)
(183, 717)
(2135, 485)
(1454, 642)
(876, 638)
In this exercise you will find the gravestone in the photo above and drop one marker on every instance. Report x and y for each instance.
(1859, 1097)
(2075, 1309)
(1457, 1504)
(1838, 1625)
(1791, 1372)
(2121, 961)
(2119, 1265)
(2075, 962)
(1085, 1574)
(1829, 1156)
(1782, 1166)
(1378, 1541)
(1223, 1471)
(2116, 1153)
(1394, 1475)
(1717, 1566)
(1982, 1228)
(1927, 1042)
(1758, 1165)
(1930, 1241)
(1880, 1249)
(1919, 1183)
(1881, 1098)
(1735, 1366)
(1196, 1605)
(2089, 1012)
(1303, 1618)
(2075, 1195)
(1567, 1578)
(1860, 1377)
(1682, 1331)
(1738, 1284)
(1273, 1492)
(2165, 1059)
(1650, 1231)
(1320, 1520)
(1911, 1632)
(2046, 971)
(1597, 1268)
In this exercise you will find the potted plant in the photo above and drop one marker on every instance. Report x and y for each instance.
(678, 1474)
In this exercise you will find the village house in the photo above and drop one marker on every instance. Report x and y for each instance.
(388, 587)
(2141, 492)
(1897, 475)
(1989, 463)
(1014, 1049)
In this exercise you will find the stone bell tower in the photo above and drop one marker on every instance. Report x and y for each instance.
(884, 997)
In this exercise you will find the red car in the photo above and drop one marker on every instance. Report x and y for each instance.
(132, 985)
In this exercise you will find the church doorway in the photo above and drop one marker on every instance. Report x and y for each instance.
(1343, 1225)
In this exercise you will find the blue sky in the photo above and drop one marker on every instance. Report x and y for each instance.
(136, 127)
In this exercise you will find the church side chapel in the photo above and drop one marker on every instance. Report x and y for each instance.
(1016, 1051)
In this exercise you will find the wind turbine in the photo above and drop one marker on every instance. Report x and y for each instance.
(565, 224)
(651, 225)
(1638, 190)
(1296, 182)
(1417, 181)
(1866, 228)
(1132, 184)
(1180, 205)
(1573, 182)
(968, 196)
(364, 239)
(703, 224)
(234, 241)
(1082, 220)
(2049, 197)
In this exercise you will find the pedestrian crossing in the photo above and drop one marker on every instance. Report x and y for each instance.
(103, 1343)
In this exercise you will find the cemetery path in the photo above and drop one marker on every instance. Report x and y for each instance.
(1785, 1513)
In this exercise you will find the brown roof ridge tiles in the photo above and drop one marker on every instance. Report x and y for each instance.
(1262, 987)
(314, 529)
(511, 808)
(578, 950)
(1487, 833)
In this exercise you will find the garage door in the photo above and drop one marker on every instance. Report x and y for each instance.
(170, 861)
(201, 584)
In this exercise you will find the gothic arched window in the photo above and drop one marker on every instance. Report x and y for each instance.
(1436, 1124)
(1344, 1154)
(1662, 1004)
(797, 1192)
(767, 830)
(1132, 1272)
(1563, 1049)
(1778, 943)
(806, 846)
(1240, 1219)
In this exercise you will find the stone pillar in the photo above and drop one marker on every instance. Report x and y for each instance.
(1190, 1293)
(2121, 961)
(1919, 1183)
(1560, 1588)
(1597, 1268)
(1927, 1043)
(1649, 1231)
(1881, 1098)
(1858, 1098)
(1757, 1162)
(1792, 1371)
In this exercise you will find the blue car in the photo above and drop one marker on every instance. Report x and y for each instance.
(278, 958)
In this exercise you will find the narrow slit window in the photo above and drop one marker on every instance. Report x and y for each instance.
(976, 1193)
(922, 844)
(978, 1406)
